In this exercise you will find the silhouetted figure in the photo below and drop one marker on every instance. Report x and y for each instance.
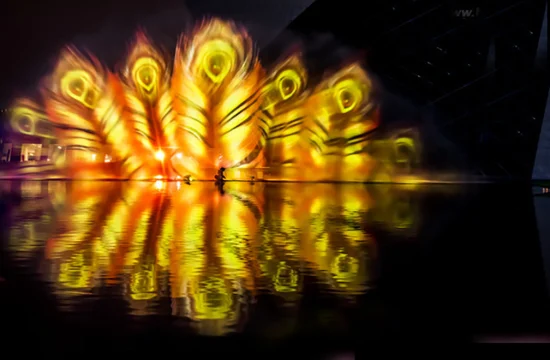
(220, 177)
(220, 180)
(252, 178)
(187, 179)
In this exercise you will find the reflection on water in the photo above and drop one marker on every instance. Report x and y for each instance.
(211, 253)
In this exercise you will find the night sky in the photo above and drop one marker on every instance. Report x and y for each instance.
(33, 32)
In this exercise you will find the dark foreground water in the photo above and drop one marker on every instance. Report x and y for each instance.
(274, 269)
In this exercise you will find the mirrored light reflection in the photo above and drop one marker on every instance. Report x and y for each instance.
(211, 252)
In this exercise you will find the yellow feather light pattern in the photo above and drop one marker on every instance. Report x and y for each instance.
(217, 94)
(338, 127)
(70, 96)
(29, 118)
(284, 112)
(214, 107)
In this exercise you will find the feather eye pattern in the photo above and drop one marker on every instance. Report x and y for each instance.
(217, 95)
(340, 122)
(147, 84)
(146, 88)
(29, 118)
(284, 110)
(86, 105)
(214, 107)
(70, 96)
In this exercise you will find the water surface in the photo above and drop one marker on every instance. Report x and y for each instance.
(325, 266)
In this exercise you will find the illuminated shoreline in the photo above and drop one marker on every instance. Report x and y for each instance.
(408, 181)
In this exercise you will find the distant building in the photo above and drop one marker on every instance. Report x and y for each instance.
(23, 146)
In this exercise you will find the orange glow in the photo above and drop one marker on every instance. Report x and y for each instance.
(159, 185)
(159, 155)
(216, 107)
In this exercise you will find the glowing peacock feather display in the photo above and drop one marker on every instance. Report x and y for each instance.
(214, 106)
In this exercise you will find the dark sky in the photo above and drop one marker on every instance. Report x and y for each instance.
(33, 32)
